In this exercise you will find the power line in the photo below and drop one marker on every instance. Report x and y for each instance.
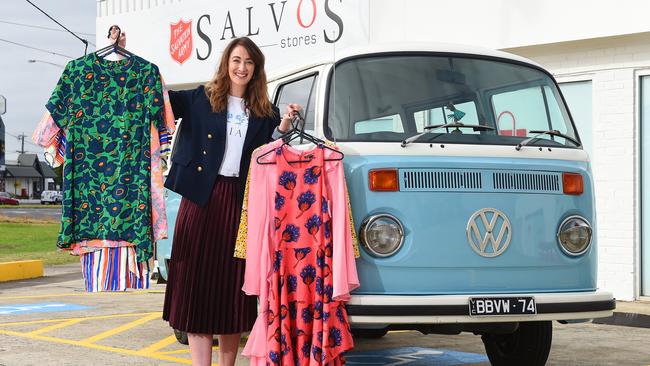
(85, 42)
(22, 137)
(34, 48)
(45, 28)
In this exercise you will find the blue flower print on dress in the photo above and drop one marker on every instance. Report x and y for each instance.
(324, 205)
(305, 200)
(327, 229)
(311, 175)
(313, 225)
(340, 314)
(318, 353)
(300, 254)
(292, 283)
(308, 313)
(291, 233)
(274, 357)
(308, 274)
(318, 310)
(306, 349)
(276, 261)
(288, 181)
(279, 200)
(334, 337)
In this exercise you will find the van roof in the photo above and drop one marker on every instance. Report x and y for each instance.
(380, 48)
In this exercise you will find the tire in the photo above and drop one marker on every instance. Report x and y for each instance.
(369, 333)
(181, 337)
(530, 345)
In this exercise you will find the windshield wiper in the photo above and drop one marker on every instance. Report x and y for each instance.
(456, 125)
(548, 132)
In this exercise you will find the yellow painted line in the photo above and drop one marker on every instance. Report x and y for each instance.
(176, 352)
(159, 345)
(84, 318)
(97, 346)
(135, 292)
(181, 351)
(60, 325)
(121, 328)
(20, 270)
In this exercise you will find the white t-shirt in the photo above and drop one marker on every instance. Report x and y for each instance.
(236, 127)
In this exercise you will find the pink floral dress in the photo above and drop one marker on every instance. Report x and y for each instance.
(306, 326)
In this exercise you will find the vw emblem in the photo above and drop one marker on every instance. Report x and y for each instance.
(489, 226)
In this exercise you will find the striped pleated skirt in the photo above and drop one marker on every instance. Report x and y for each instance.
(203, 292)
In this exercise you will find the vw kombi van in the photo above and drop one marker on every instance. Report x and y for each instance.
(472, 197)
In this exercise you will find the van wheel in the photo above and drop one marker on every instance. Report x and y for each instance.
(181, 337)
(529, 345)
(369, 333)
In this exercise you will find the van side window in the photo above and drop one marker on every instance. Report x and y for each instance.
(303, 92)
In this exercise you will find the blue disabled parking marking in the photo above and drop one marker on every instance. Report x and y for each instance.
(413, 356)
(44, 307)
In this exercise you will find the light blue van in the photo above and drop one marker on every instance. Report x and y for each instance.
(472, 197)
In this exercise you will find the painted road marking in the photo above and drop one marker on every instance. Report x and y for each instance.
(413, 356)
(122, 328)
(60, 325)
(40, 308)
(82, 294)
(146, 352)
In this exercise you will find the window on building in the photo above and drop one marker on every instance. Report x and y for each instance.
(578, 96)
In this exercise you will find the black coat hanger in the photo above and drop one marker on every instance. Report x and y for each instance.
(115, 47)
(296, 132)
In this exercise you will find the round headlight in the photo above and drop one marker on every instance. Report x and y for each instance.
(574, 235)
(382, 235)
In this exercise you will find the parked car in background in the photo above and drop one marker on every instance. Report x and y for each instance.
(6, 199)
(51, 197)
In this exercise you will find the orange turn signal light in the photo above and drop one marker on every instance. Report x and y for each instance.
(383, 180)
(572, 183)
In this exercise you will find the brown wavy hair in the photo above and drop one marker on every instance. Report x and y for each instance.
(256, 95)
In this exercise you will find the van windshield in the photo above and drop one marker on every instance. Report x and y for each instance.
(391, 98)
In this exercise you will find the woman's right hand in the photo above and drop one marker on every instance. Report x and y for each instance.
(114, 32)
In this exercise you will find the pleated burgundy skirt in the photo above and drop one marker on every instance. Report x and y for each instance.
(203, 292)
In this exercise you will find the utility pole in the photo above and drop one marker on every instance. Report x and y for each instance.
(21, 137)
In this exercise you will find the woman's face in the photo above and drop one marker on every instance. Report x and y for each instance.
(240, 67)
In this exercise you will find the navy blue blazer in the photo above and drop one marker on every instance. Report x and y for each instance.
(199, 147)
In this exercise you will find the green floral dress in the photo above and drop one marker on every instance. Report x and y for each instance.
(107, 108)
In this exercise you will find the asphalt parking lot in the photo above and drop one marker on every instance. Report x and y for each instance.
(52, 321)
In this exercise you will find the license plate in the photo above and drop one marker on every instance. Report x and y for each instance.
(479, 306)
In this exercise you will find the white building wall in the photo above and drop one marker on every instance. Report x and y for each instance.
(613, 65)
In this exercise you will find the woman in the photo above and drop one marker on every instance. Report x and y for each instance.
(222, 123)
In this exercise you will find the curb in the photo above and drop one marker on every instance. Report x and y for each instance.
(20, 270)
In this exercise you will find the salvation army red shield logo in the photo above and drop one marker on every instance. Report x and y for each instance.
(180, 40)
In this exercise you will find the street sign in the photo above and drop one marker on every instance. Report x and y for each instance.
(3, 105)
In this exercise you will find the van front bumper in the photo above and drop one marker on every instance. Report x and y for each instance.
(445, 309)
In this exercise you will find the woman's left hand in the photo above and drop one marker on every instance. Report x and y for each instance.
(292, 111)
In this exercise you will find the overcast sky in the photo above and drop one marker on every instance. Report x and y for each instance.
(27, 86)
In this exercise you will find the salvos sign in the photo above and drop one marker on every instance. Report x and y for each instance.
(185, 39)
